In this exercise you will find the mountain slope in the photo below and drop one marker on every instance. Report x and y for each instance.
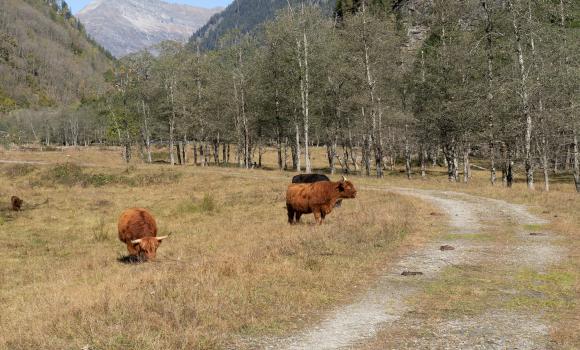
(46, 59)
(128, 26)
(246, 15)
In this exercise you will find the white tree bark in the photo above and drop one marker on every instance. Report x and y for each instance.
(525, 105)
(145, 133)
(172, 119)
(576, 162)
(302, 55)
(489, 54)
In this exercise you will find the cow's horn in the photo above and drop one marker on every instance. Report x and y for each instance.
(161, 238)
(136, 241)
(344, 178)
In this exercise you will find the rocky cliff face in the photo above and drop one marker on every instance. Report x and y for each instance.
(127, 26)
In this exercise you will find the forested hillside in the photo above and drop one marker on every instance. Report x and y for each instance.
(46, 59)
(245, 16)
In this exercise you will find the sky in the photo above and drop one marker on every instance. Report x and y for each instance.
(77, 5)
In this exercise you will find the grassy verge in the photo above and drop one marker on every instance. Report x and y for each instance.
(554, 294)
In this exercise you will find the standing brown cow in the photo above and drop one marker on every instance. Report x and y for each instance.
(137, 229)
(318, 198)
(16, 203)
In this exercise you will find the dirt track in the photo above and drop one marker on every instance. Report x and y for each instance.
(387, 303)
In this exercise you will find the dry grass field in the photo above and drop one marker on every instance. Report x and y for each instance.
(232, 269)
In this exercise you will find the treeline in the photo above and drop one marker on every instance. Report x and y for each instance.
(409, 82)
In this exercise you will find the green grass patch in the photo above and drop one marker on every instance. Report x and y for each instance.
(460, 290)
(553, 289)
(533, 227)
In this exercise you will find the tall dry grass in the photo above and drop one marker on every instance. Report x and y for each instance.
(232, 270)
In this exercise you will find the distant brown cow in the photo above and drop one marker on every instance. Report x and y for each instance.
(16, 203)
(137, 229)
(318, 198)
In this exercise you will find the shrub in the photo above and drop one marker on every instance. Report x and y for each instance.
(100, 231)
(70, 174)
(64, 174)
(18, 170)
(206, 205)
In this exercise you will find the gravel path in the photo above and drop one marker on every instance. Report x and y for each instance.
(351, 325)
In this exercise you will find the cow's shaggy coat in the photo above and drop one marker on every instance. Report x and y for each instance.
(137, 229)
(318, 198)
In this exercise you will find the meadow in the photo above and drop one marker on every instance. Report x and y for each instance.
(232, 269)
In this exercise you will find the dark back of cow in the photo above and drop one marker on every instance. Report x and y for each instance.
(309, 178)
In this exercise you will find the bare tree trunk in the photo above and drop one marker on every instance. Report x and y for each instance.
(374, 137)
(407, 153)
(576, 162)
(285, 165)
(146, 134)
(296, 155)
(350, 146)
(194, 153)
(423, 161)
(510, 174)
(206, 153)
(306, 107)
(568, 159)
(450, 153)
(331, 154)
(435, 156)
(302, 51)
(179, 147)
(545, 163)
(172, 125)
(466, 165)
(367, 139)
(184, 150)
(202, 155)
(489, 53)
(228, 154)
(524, 98)
(279, 148)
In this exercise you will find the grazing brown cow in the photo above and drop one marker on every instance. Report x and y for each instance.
(16, 203)
(137, 229)
(318, 198)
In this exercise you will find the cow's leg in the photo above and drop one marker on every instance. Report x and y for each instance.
(290, 214)
(132, 250)
(318, 216)
(298, 215)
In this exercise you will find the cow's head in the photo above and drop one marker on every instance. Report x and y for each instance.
(346, 189)
(147, 246)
